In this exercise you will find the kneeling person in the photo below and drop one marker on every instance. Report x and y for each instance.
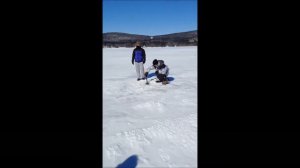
(161, 71)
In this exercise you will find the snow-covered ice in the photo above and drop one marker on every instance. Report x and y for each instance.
(157, 123)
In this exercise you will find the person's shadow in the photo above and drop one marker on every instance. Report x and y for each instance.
(170, 78)
(130, 162)
(151, 75)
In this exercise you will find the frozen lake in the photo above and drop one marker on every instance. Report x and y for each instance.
(156, 123)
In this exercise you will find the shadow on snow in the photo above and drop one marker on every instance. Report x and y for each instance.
(151, 75)
(170, 78)
(130, 162)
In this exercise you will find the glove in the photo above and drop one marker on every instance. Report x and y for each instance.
(132, 62)
(146, 74)
(143, 62)
(156, 72)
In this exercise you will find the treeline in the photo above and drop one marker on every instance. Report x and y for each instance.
(128, 40)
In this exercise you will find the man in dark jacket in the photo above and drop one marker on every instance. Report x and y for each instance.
(139, 59)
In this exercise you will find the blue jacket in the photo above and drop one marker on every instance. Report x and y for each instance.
(138, 55)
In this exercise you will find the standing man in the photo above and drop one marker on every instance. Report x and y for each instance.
(139, 59)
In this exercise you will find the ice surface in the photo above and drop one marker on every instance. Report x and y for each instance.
(156, 123)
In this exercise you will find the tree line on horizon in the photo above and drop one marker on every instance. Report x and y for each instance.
(115, 40)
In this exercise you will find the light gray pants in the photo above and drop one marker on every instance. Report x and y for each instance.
(139, 67)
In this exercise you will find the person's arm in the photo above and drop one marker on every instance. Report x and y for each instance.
(164, 70)
(144, 56)
(148, 70)
(167, 71)
(132, 57)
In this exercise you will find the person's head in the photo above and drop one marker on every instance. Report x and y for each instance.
(155, 62)
(138, 44)
(160, 62)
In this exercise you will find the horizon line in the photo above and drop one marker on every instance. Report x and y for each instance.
(152, 35)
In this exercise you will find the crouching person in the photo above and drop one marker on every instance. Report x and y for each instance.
(161, 71)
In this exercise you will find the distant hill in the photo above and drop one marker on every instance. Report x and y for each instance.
(117, 39)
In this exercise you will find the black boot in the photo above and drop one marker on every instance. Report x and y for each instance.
(165, 82)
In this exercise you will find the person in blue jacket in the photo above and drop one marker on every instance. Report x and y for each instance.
(139, 59)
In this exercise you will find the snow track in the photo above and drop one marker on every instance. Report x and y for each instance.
(156, 122)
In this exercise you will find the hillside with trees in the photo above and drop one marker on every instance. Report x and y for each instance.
(116, 39)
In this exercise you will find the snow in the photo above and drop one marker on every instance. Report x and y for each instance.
(157, 123)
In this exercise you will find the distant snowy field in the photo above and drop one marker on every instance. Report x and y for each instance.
(157, 123)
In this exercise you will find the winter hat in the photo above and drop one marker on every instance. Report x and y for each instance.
(155, 62)
(138, 43)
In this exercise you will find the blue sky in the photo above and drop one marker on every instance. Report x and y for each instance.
(149, 17)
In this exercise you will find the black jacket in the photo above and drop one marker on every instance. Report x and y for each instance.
(143, 54)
